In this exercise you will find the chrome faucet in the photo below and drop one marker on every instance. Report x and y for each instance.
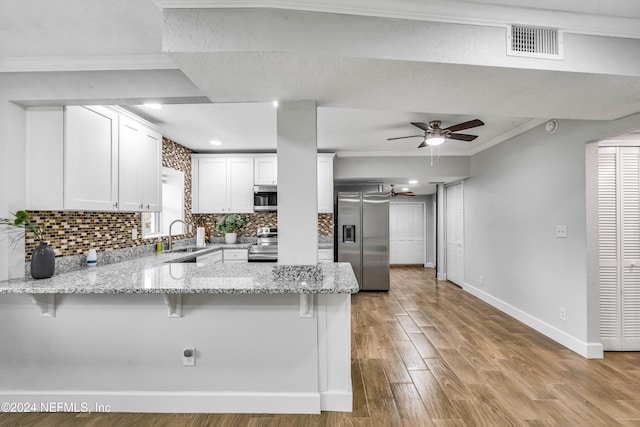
(170, 243)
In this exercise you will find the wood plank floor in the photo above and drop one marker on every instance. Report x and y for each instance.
(428, 354)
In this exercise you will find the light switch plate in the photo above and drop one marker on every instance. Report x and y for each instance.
(561, 231)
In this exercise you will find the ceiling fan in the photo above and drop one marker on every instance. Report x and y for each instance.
(395, 193)
(435, 135)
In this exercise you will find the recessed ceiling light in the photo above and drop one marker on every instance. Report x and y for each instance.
(153, 105)
(215, 142)
(413, 181)
(405, 189)
(275, 104)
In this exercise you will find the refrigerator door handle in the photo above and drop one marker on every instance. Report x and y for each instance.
(348, 233)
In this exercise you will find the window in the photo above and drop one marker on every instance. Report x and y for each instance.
(157, 223)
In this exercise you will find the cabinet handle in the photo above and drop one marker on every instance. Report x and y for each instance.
(115, 205)
(141, 206)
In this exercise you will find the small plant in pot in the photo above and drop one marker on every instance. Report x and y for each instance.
(43, 262)
(229, 226)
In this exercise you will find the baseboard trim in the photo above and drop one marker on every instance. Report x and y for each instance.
(429, 265)
(172, 402)
(589, 350)
(441, 276)
(336, 401)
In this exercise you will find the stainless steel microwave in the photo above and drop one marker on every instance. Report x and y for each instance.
(265, 198)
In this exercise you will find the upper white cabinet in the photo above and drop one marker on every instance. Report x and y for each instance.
(90, 158)
(222, 184)
(325, 183)
(265, 170)
(140, 167)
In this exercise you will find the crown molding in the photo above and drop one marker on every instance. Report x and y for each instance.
(86, 63)
(507, 135)
(452, 11)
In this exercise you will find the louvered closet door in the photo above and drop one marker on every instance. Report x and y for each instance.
(630, 225)
(610, 312)
(619, 250)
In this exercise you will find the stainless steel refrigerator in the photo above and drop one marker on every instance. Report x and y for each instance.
(363, 237)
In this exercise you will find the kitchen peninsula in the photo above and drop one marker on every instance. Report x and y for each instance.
(266, 338)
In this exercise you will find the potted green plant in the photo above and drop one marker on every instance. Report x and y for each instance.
(43, 262)
(230, 225)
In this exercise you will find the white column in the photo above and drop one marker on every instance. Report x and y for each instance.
(441, 244)
(297, 183)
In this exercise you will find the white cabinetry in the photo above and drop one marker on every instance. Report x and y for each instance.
(235, 255)
(222, 184)
(210, 258)
(140, 167)
(90, 158)
(74, 160)
(325, 255)
(265, 170)
(325, 183)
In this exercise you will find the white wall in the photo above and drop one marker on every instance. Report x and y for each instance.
(518, 192)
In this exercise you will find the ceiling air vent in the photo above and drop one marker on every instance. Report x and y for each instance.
(534, 42)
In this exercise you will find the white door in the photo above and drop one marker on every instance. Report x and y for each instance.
(151, 176)
(90, 158)
(212, 185)
(406, 233)
(266, 171)
(240, 184)
(454, 231)
(129, 188)
(619, 247)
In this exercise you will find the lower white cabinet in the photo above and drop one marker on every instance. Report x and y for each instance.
(235, 255)
(210, 258)
(325, 255)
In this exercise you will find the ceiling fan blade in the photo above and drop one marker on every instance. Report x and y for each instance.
(424, 144)
(405, 193)
(423, 126)
(462, 136)
(466, 125)
(403, 137)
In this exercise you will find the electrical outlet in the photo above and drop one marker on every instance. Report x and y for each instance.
(190, 229)
(189, 357)
(482, 280)
(561, 231)
(563, 313)
(134, 233)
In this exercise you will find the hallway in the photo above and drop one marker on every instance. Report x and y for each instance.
(427, 353)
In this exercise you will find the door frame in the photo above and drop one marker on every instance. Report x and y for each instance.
(442, 263)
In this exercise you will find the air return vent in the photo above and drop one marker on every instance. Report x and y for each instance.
(534, 42)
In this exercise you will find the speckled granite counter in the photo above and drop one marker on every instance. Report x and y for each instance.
(166, 273)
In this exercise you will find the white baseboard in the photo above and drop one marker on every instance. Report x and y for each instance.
(441, 276)
(170, 402)
(429, 265)
(336, 401)
(585, 349)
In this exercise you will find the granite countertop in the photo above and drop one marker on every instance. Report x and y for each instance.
(165, 273)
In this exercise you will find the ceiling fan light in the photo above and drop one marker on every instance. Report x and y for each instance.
(435, 140)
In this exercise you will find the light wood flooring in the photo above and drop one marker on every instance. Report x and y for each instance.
(428, 354)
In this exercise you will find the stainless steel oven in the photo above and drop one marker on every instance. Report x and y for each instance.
(266, 247)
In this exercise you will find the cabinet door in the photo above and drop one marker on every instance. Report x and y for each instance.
(240, 184)
(325, 184)
(90, 158)
(212, 185)
(265, 171)
(151, 173)
(130, 155)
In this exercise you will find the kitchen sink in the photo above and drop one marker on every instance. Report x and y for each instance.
(184, 249)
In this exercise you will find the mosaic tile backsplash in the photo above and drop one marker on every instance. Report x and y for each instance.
(75, 232)
(261, 219)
